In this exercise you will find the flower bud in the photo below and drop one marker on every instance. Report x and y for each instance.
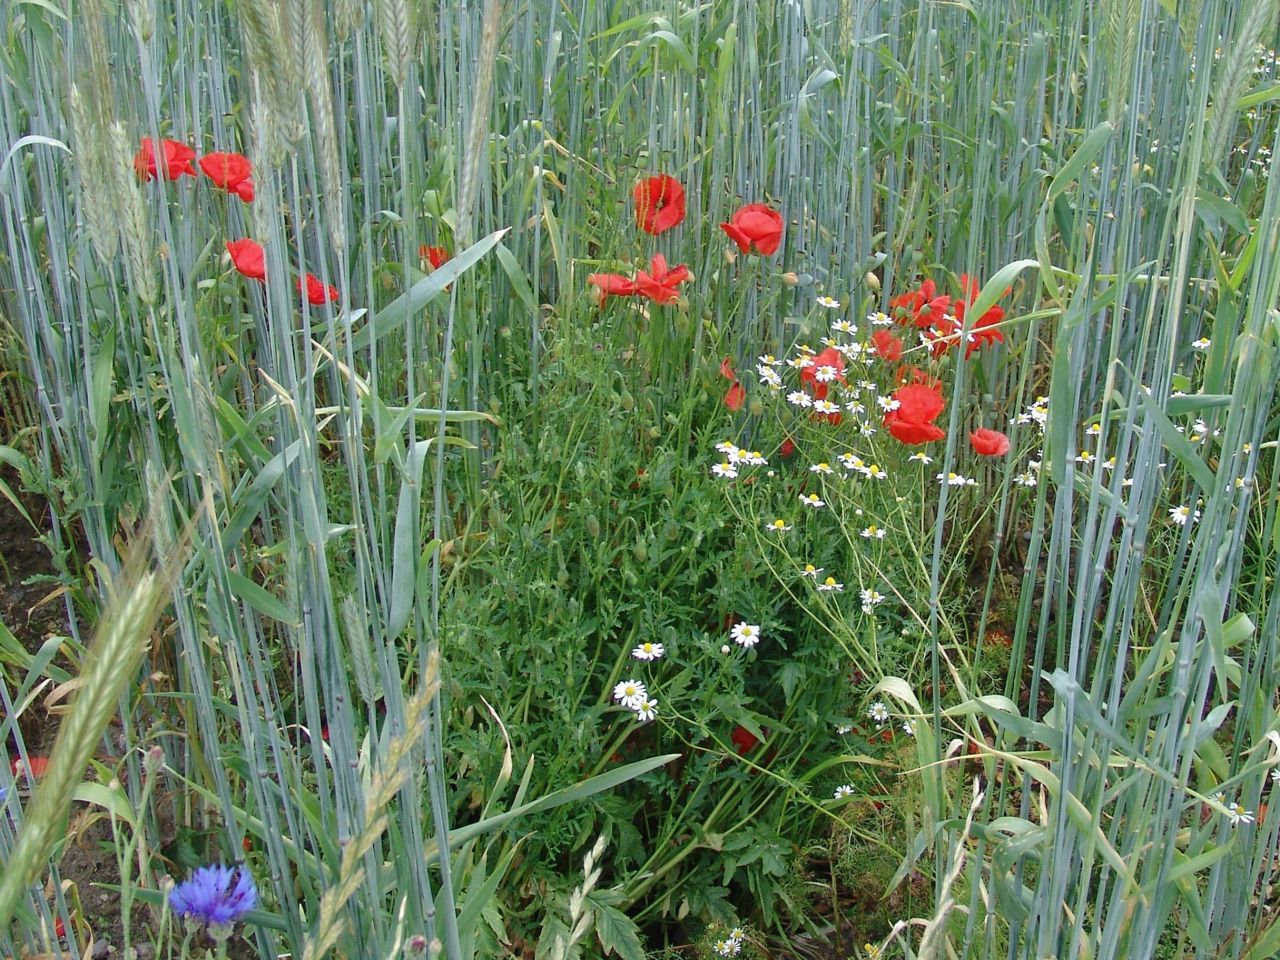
(873, 282)
(790, 278)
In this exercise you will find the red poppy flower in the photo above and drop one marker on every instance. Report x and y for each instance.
(817, 375)
(318, 292)
(918, 406)
(612, 284)
(989, 443)
(659, 203)
(788, 448)
(744, 741)
(923, 307)
(249, 258)
(176, 158)
(735, 396)
(659, 284)
(230, 171)
(888, 347)
(436, 256)
(726, 369)
(981, 333)
(38, 766)
(756, 225)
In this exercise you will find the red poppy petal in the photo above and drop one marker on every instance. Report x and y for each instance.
(914, 433)
(735, 397)
(737, 236)
(989, 443)
(726, 369)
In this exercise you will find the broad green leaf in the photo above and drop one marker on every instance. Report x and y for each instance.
(616, 931)
(260, 599)
(578, 791)
(424, 291)
(404, 553)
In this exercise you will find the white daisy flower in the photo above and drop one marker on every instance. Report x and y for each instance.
(844, 326)
(810, 571)
(1084, 456)
(887, 404)
(730, 450)
(746, 635)
(770, 377)
(630, 693)
(879, 319)
(646, 710)
(830, 585)
(1181, 514)
(909, 727)
(649, 651)
(825, 373)
(867, 430)
(852, 463)
(825, 406)
(842, 729)
(820, 468)
(799, 398)
(1026, 479)
(1239, 814)
(844, 790)
(955, 480)
(878, 711)
(725, 470)
(829, 302)
(870, 598)
(768, 360)
(1093, 430)
(855, 407)
(800, 362)
(755, 458)
(813, 500)
(873, 532)
(875, 473)
(777, 526)
(1201, 344)
(921, 457)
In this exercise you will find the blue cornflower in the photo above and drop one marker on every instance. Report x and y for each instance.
(209, 897)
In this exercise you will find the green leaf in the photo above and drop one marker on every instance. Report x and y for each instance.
(994, 288)
(404, 553)
(1071, 170)
(424, 291)
(115, 802)
(260, 599)
(1177, 444)
(616, 931)
(577, 791)
(518, 279)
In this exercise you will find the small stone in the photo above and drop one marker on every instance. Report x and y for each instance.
(100, 950)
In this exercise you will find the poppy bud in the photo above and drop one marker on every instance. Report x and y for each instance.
(627, 402)
(756, 407)
(730, 255)
(790, 278)
(788, 448)
(593, 527)
(873, 282)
